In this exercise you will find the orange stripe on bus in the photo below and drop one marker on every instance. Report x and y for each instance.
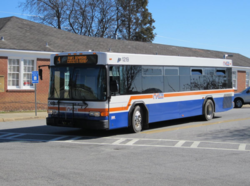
(56, 108)
(117, 109)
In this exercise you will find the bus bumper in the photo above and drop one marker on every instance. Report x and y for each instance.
(78, 123)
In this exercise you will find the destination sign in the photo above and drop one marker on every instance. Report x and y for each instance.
(75, 59)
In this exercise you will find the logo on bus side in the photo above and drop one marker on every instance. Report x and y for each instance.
(69, 109)
(227, 63)
(158, 96)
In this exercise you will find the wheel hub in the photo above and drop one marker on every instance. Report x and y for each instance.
(137, 119)
(210, 110)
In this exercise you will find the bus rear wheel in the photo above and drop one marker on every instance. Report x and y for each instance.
(137, 119)
(208, 110)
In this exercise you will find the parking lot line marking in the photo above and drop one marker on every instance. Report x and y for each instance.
(55, 139)
(242, 147)
(195, 144)
(15, 136)
(6, 135)
(193, 126)
(132, 142)
(118, 141)
(73, 139)
(180, 143)
(157, 146)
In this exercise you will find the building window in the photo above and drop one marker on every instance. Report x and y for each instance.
(247, 79)
(20, 73)
(28, 67)
(234, 79)
(13, 72)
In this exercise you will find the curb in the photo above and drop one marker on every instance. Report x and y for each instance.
(22, 118)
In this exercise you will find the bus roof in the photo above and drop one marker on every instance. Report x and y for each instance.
(106, 58)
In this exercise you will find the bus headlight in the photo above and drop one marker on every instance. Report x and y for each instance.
(52, 111)
(95, 114)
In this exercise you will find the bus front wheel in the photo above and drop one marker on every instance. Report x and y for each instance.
(208, 110)
(137, 119)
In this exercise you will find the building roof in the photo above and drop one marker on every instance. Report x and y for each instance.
(21, 34)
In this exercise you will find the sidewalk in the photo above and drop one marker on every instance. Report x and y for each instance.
(22, 116)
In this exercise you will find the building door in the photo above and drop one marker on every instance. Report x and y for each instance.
(241, 81)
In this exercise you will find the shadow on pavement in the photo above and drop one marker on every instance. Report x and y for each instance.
(47, 133)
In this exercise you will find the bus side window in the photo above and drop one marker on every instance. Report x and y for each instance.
(152, 79)
(171, 79)
(196, 81)
(221, 78)
(184, 78)
(209, 79)
(130, 79)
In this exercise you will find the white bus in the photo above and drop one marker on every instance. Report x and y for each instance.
(101, 90)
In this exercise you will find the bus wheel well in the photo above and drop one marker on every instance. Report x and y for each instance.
(145, 114)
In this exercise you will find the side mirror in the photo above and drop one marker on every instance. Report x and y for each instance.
(41, 74)
(113, 86)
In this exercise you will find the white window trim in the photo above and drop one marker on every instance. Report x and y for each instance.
(21, 69)
(247, 79)
(236, 79)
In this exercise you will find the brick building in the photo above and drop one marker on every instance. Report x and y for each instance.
(25, 45)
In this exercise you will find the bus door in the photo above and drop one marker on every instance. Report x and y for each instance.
(118, 115)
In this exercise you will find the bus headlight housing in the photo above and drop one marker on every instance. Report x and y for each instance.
(49, 111)
(95, 114)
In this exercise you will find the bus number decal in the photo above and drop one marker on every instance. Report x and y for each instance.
(125, 59)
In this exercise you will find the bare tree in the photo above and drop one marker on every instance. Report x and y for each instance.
(92, 17)
(129, 19)
(49, 12)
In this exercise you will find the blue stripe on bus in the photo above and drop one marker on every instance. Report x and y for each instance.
(167, 111)
(174, 110)
(118, 120)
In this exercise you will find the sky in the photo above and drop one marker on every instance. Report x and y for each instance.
(221, 25)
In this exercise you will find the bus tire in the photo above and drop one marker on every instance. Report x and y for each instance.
(208, 110)
(137, 119)
(238, 103)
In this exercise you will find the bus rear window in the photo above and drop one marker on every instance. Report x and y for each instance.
(196, 72)
(220, 72)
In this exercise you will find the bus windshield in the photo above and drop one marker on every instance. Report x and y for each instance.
(78, 83)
